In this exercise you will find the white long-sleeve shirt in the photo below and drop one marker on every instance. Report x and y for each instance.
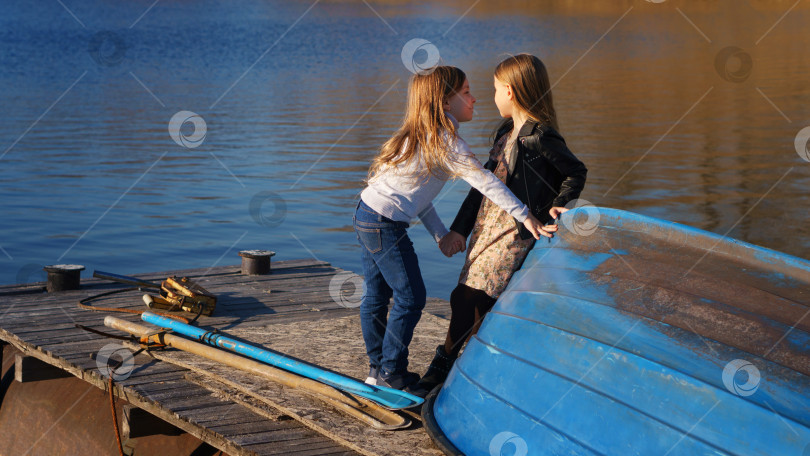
(401, 194)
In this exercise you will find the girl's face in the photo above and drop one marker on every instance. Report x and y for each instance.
(503, 99)
(460, 105)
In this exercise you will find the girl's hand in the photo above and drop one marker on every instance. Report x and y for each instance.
(452, 243)
(533, 225)
(556, 211)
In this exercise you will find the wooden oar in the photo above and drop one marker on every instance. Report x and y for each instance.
(360, 408)
(388, 397)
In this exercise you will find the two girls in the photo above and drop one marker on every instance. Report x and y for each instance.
(407, 174)
(530, 156)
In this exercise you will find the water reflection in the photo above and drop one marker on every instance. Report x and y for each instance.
(637, 88)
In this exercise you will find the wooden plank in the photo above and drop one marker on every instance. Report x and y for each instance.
(51, 303)
(148, 382)
(236, 416)
(232, 390)
(132, 397)
(23, 287)
(29, 369)
(184, 396)
(44, 336)
(299, 293)
(278, 267)
(199, 399)
(289, 436)
(274, 430)
(3, 345)
(90, 288)
(91, 317)
(52, 337)
(238, 427)
(282, 275)
(203, 416)
(47, 298)
(279, 280)
(300, 448)
(233, 269)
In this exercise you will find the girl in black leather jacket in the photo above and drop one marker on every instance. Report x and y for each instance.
(531, 157)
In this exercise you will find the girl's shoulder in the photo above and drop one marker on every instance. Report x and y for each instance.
(543, 134)
(544, 140)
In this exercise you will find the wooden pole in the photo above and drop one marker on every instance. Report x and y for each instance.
(360, 408)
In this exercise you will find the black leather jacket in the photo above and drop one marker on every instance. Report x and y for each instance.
(546, 174)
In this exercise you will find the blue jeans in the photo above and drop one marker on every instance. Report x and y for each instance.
(390, 268)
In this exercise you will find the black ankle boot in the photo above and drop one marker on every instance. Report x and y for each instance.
(436, 373)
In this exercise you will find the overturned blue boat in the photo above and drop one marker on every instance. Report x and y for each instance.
(629, 335)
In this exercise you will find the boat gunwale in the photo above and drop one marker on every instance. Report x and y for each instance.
(734, 248)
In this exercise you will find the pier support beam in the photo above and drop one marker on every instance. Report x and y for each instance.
(29, 369)
(140, 423)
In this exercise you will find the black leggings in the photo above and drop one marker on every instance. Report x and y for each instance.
(468, 307)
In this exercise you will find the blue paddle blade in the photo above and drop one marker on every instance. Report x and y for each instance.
(388, 397)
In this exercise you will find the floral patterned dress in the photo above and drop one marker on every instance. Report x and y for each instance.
(495, 249)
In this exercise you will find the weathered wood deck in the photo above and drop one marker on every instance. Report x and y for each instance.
(41, 325)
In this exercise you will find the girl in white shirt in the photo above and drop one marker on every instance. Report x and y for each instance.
(410, 170)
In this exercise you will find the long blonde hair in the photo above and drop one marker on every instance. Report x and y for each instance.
(528, 78)
(426, 126)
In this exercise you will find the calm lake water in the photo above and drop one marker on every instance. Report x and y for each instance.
(681, 111)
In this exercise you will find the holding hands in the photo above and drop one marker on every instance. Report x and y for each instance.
(452, 243)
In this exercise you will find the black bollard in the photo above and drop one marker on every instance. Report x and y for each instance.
(63, 277)
(256, 262)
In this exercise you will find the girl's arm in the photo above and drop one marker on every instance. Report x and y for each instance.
(468, 212)
(470, 169)
(557, 153)
(433, 223)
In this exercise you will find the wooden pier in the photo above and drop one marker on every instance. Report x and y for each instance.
(169, 393)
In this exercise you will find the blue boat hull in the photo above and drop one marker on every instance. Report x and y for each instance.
(638, 336)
